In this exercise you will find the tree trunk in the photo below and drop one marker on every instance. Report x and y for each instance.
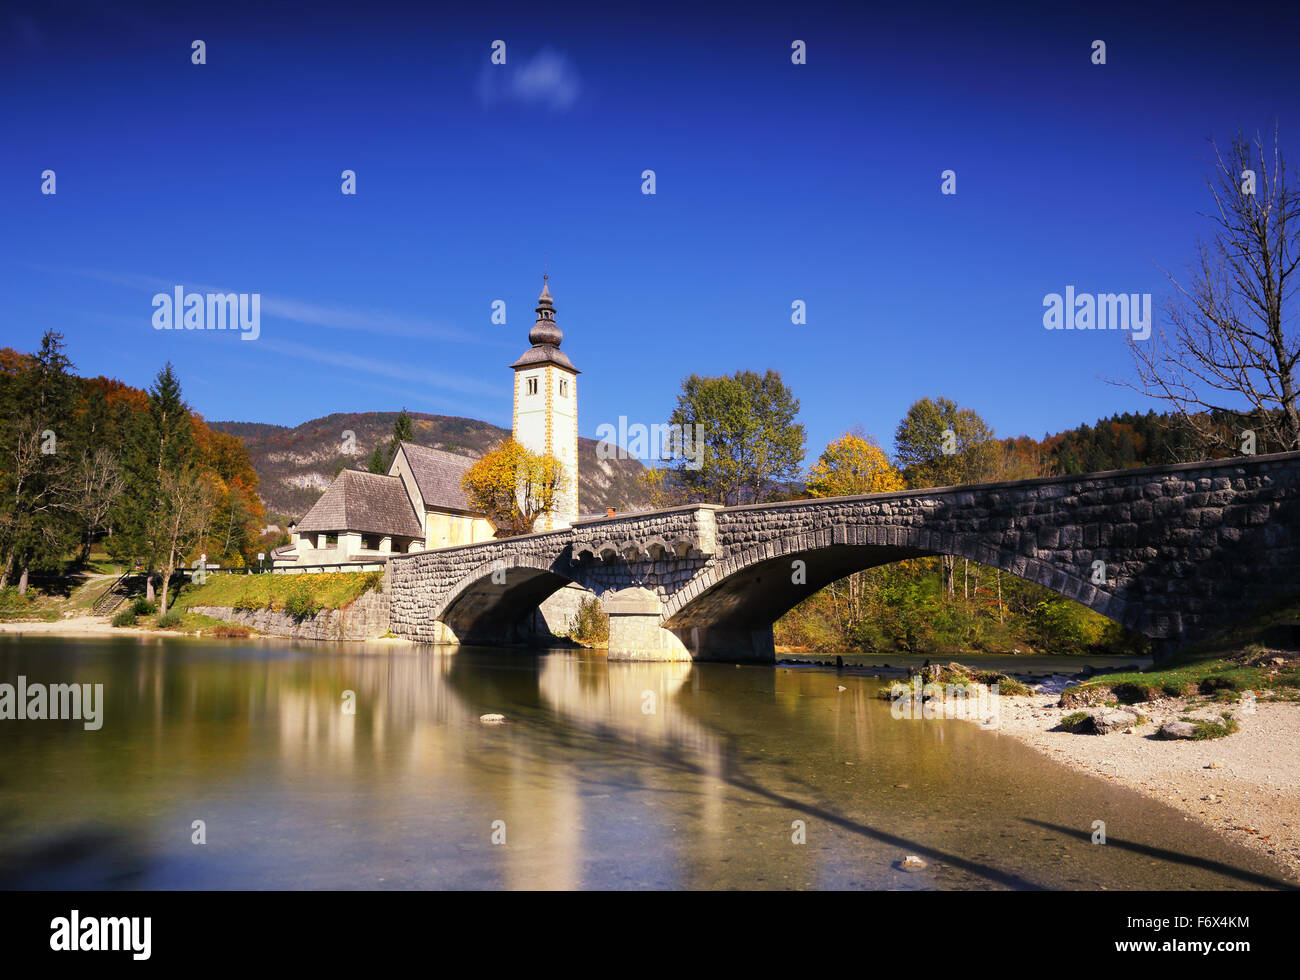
(167, 578)
(22, 579)
(148, 586)
(9, 565)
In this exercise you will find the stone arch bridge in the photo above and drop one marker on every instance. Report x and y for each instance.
(1186, 548)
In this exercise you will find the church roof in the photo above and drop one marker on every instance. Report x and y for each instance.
(438, 474)
(544, 354)
(367, 502)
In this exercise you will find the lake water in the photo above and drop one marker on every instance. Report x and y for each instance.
(604, 776)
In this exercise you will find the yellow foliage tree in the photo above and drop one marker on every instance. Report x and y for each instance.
(513, 487)
(852, 464)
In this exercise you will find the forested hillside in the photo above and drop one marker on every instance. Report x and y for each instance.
(295, 465)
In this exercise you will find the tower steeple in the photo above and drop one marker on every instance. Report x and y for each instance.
(544, 331)
(546, 407)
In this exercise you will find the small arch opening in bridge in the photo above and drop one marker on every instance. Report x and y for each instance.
(505, 604)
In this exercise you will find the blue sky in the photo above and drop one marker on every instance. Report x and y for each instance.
(775, 182)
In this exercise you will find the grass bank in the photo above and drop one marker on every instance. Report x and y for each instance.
(1261, 654)
(299, 595)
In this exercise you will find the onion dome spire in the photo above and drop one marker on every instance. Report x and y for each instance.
(544, 330)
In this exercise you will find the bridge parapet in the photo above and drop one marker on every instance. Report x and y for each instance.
(678, 532)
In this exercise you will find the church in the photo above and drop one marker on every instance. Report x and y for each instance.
(419, 504)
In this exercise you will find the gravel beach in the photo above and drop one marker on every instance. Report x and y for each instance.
(1245, 786)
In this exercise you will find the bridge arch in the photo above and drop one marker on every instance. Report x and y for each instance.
(734, 603)
(495, 601)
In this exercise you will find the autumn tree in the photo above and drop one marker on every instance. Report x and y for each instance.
(1230, 351)
(748, 440)
(238, 515)
(852, 464)
(513, 487)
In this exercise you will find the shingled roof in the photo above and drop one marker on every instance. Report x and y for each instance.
(438, 474)
(367, 502)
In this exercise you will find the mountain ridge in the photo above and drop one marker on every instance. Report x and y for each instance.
(296, 463)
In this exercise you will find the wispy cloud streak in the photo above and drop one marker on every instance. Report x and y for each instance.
(308, 314)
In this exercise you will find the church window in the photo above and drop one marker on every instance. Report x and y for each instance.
(532, 386)
(564, 388)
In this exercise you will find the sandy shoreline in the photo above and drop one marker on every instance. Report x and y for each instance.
(80, 626)
(76, 626)
(1245, 787)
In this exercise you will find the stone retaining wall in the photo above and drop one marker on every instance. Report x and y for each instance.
(364, 619)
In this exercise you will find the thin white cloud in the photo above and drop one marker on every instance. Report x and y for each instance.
(309, 314)
(546, 79)
(387, 369)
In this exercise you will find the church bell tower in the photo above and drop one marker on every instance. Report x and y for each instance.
(546, 407)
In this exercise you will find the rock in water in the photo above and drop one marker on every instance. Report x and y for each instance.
(491, 719)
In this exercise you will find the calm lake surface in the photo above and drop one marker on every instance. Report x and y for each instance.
(606, 776)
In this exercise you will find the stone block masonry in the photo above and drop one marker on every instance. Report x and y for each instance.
(1172, 552)
(364, 619)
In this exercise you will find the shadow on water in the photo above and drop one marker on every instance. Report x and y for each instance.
(609, 747)
(1164, 854)
(90, 859)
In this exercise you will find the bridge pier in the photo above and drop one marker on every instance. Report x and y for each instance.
(729, 644)
(634, 630)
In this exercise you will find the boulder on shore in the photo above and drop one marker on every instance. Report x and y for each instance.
(1107, 720)
(1177, 729)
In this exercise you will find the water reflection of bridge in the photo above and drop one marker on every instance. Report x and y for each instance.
(594, 791)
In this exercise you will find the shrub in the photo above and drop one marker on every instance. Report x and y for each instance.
(591, 625)
(125, 618)
(143, 607)
(1013, 688)
(248, 603)
(1213, 729)
(302, 602)
(1134, 692)
(1212, 685)
(171, 618)
(1077, 721)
